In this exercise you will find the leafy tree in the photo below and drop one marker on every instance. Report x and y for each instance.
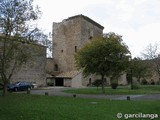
(97, 83)
(17, 27)
(114, 82)
(140, 68)
(105, 56)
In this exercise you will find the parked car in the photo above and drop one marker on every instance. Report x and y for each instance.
(20, 86)
(34, 85)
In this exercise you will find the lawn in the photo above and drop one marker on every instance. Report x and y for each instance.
(39, 107)
(121, 90)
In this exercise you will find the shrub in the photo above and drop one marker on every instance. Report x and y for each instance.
(114, 82)
(50, 84)
(97, 83)
(114, 85)
(144, 82)
(152, 82)
(136, 86)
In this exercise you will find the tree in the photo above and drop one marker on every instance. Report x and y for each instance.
(105, 56)
(152, 55)
(97, 83)
(139, 69)
(17, 27)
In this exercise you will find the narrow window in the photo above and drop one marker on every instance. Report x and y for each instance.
(56, 67)
(75, 48)
(90, 37)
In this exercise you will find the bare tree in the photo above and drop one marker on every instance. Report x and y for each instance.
(152, 54)
(17, 27)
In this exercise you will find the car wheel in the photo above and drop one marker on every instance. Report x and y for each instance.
(16, 89)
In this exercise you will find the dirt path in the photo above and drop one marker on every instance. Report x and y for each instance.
(58, 91)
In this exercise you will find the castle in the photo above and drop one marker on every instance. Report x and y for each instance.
(68, 37)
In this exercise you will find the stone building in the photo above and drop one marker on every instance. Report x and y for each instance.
(34, 69)
(69, 36)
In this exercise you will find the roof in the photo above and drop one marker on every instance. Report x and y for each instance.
(86, 18)
(69, 74)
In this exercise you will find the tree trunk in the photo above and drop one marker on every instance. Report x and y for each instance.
(5, 90)
(103, 85)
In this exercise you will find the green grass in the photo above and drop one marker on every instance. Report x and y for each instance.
(145, 89)
(36, 107)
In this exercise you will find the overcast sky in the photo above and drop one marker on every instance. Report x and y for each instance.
(138, 21)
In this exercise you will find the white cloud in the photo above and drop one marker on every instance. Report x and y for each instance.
(138, 21)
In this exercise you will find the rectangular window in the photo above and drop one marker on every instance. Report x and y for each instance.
(75, 48)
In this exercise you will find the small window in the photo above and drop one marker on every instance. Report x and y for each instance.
(56, 67)
(61, 51)
(90, 37)
(75, 48)
(91, 34)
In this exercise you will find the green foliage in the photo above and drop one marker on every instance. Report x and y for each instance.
(15, 16)
(144, 82)
(114, 82)
(36, 107)
(17, 29)
(121, 90)
(97, 83)
(135, 86)
(140, 68)
(114, 85)
(103, 56)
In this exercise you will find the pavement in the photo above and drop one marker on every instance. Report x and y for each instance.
(58, 91)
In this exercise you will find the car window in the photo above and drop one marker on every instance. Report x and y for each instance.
(25, 83)
(18, 84)
(21, 83)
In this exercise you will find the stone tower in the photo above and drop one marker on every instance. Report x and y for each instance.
(69, 36)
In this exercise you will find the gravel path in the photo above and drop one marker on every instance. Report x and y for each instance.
(57, 91)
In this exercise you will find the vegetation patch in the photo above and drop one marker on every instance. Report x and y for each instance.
(37, 107)
(121, 90)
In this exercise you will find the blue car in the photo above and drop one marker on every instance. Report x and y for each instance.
(20, 86)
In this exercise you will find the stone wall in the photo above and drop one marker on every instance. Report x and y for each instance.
(69, 36)
(34, 69)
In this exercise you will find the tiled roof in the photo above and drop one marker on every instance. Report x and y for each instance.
(69, 74)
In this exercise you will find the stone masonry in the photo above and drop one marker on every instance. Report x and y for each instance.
(69, 36)
(34, 69)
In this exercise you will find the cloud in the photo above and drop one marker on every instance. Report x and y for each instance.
(138, 21)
